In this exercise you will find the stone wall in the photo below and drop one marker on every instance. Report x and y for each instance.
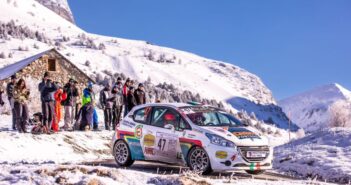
(34, 72)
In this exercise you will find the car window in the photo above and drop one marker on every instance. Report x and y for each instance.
(141, 115)
(163, 116)
(183, 125)
(223, 119)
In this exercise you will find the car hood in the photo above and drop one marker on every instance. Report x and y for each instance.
(241, 136)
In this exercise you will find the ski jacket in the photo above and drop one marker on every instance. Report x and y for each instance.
(72, 94)
(20, 95)
(105, 98)
(140, 96)
(131, 101)
(9, 89)
(117, 98)
(88, 96)
(47, 90)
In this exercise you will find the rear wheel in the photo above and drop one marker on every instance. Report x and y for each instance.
(255, 172)
(122, 154)
(199, 161)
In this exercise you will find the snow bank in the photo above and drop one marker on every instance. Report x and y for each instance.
(63, 147)
(66, 174)
(324, 155)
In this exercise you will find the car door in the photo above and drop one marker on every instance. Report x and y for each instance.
(160, 140)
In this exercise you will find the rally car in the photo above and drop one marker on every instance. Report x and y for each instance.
(204, 138)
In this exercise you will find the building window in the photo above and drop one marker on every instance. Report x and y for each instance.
(51, 65)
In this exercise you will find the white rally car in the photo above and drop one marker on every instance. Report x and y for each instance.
(203, 138)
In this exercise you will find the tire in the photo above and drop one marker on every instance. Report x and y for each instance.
(255, 172)
(199, 161)
(122, 154)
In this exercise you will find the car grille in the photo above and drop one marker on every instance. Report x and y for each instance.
(243, 150)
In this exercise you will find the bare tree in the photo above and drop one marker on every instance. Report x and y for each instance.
(340, 114)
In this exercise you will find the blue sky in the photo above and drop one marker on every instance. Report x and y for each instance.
(292, 45)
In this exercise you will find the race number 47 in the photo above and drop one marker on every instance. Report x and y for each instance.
(161, 144)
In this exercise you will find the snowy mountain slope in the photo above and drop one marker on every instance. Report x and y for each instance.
(324, 154)
(139, 60)
(60, 7)
(311, 110)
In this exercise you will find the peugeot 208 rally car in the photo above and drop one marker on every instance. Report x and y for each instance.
(203, 138)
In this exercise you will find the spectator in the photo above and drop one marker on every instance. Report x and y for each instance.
(9, 91)
(85, 117)
(21, 96)
(106, 105)
(47, 88)
(125, 95)
(131, 99)
(60, 96)
(1, 92)
(140, 95)
(117, 100)
(89, 97)
(69, 103)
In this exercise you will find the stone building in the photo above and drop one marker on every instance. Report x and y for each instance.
(33, 68)
(59, 67)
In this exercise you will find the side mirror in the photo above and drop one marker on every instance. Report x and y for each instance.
(169, 126)
(131, 116)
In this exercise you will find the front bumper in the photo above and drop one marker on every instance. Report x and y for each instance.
(233, 159)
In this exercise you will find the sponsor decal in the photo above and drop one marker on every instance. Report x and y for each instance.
(135, 147)
(149, 151)
(243, 133)
(255, 166)
(138, 131)
(221, 154)
(191, 136)
(122, 133)
(233, 158)
(128, 124)
(166, 145)
(149, 140)
(220, 130)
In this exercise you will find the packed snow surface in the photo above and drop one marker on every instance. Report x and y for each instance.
(324, 154)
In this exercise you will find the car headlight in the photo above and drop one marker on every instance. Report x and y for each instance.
(220, 141)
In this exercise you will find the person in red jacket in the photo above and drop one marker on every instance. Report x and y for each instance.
(59, 97)
(125, 91)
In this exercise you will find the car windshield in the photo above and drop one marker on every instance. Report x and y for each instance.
(211, 117)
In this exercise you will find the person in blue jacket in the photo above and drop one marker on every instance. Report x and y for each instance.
(89, 97)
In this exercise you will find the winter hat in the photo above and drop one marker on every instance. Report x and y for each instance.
(90, 85)
(119, 79)
(141, 85)
(131, 88)
(13, 77)
(46, 74)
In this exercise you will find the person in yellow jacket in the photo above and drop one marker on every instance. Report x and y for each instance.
(21, 97)
(89, 97)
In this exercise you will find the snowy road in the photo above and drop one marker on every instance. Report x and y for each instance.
(166, 169)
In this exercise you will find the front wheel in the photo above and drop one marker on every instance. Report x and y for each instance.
(122, 154)
(255, 172)
(199, 161)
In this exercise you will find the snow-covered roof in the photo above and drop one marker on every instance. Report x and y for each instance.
(11, 69)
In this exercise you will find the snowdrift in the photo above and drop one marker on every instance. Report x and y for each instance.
(325, 155)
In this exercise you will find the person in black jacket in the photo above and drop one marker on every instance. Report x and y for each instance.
(72, 93)
(9, 90)
(46, 89)
(140, 95)
(106, 104)
(1, 92)
(131, 99)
